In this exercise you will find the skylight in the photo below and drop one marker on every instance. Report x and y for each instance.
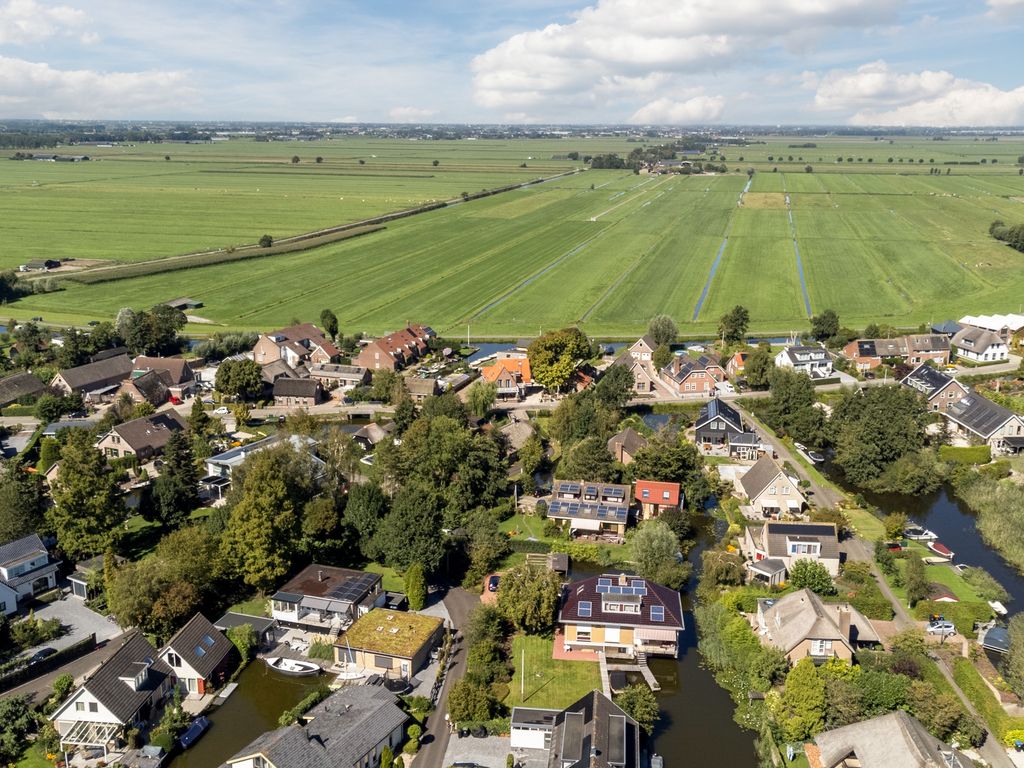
(657, 613)
(585, 608)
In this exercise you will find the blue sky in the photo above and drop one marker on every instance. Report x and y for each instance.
(857, 62)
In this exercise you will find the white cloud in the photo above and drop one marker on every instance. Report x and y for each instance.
(345, 119)
(29, 89)
(877, 95)
(410, 114)
(1004, 6)
(26, 21)
(616, 48)
(665, 111)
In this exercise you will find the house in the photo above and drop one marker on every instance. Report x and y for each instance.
(25, 571)
(639, 359)
(149, 387)
(511, 373)
(41, 265)
(296, 345)
(516, 433)
(86, 580)
(21, 387)
(737, 364)
(801, 625)
(655, 498)
(96, 379)
(981, 421)
(621, 615)
(601, 508)
(868, 354)
(261, 625)
(980, 346)
(938, 389)
(124, 692)
(718, 423)
(816, 362)
(200, 657)
(332, 375)
(769, 490)
(686, 375)
(297, 393)
(786, 543)
(593, 732)
(322, 597)
(642, 350)
(948, 328)
(223, 464)
(892, 740)
(348, 729)
(420, 389)
(1009, 328)
(397, 350)
(144, 438)
(391, 643)
(749, 446)
(625, 445)
(369, 435)
(176, 373)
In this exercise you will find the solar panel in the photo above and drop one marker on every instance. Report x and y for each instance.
(584, 609)
(602, 589)
(604, 582)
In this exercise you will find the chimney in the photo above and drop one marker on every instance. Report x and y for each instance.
(844, 623)
(622, 580)
(319, 575)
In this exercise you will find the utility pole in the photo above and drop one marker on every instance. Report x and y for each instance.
(522, 677)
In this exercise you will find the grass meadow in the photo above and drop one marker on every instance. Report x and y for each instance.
(879, 242)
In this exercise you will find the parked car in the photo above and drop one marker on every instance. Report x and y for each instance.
(941, 628)
(222, 411)
(492, 583)
(41, 655)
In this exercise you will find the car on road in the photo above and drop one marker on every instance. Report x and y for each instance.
(941, 628)
(222, 411)
(41, 655)
(492, 583)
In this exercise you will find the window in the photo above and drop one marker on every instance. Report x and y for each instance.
(583, 634)
(79, 706)
(665, 495)
(207, 641)
(174, 659)
(773, 490)
(94, 707)
(646, 493)
(821, 647)
(785, 490)
(200, 651)
(585, 608)
(657, 613)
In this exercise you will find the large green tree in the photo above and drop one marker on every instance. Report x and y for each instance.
(663, 330)
(555, 355)
(528, 598)
(588, 460)
(790, 410)
(481, 397)
(802, 706)
(88, 507)
(22, 501)
(732, 326)
(366, 508)
(260, 535)
(672, 459)
(615, 387)
(329, 321)
(759, 366)
(812, 575)
(825, 325)
(579, 416)
(240, 378)
(175, 491)
(411, 531)
(655, 553)
(637, 701)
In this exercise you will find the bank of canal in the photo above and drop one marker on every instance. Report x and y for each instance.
(254, 707)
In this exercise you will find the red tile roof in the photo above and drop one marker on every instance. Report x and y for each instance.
(652, 492)
(515, 368)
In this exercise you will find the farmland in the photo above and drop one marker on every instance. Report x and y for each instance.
(605, 249)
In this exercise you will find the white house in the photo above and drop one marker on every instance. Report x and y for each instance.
(814, 361)
(980, 346)
(200, 656)
(25, 571)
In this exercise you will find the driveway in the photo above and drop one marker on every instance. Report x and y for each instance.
(79, 620)
(490, 752)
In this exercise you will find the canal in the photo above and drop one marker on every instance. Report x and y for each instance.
(253, 708)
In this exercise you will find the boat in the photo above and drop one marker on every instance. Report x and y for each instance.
(940, 549)
(293, 667)
(998, 607)
(917, 533)
(194, 731)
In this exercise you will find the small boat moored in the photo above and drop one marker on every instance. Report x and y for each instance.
(916, 532)
(294, 667)
(998, 607)
(194, 731)
(940, 549)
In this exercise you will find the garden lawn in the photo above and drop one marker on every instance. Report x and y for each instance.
(33, 758)
(254, 606)
(392, 581)
(550, 683)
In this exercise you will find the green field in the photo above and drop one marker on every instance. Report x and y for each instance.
(878, 242)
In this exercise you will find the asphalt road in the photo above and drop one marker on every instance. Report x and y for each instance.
(40, 688)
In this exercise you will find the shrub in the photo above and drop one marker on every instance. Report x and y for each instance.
(985, 584)
(321, 650)
(974, 454)
(997, 470)
(292, 715)
(266, 241)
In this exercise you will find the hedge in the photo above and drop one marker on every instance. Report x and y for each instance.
(1001, 724)
(963, 615)
(974, 454)
(531, 546)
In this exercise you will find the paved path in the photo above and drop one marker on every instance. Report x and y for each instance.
(459, 603)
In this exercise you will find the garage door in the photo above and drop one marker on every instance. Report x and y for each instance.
(527, 738)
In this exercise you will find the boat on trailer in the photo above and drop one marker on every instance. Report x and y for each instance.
(940, 549)
(293, 667)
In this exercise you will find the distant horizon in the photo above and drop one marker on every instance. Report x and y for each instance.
(526, 62)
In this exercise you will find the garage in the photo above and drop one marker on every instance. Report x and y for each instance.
(531, 728)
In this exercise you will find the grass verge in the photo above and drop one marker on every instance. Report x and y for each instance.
(979, 694)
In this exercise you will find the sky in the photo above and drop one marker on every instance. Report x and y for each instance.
(647, 62)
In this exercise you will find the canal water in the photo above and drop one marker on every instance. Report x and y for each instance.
(254, 707)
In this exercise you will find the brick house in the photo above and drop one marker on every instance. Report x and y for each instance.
(689, 376)
(655, 497)
(297, 345)
(396, 350)
(297, 393)
(938, 389)
(145, 437)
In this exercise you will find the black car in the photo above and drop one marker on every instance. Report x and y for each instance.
(41, 655)
(492, 583)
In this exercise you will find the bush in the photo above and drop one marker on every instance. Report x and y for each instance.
(971, 683)
(292, 715)
(985, 584)
(321, 650)
(974, 454)
(997, 470)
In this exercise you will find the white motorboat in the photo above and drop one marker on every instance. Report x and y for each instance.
(918, 533)
(294, 667)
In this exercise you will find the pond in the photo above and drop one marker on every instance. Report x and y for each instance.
(253, 708)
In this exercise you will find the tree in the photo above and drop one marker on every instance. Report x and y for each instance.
(411, 531)
(244, 638)
(239, 378)
(615, 388)
(808, 169)
(554, 356)
(330, 323)
(435, 163)
(16, 721)
(266, 241)
(260, 535)
(386, 386)
(387, 758)
(367, 505)
(825, 325)
(240, 411)
(662, 356)
(812, 575)
(175, 490)
(416, 587)
(22, 502)
(655, 553)
(88, 507)
(405, 414)
(319, 159)
(732, 326)
(637, 701)
(295, 159)
(895, 524)
(662, 330)
(802, 705)
(915, 580)
(471, 700)
(669, 459)
(481, 397)
(531, 455)
(759, 366)
(199, 421)
(528, 598)
(588, 460)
